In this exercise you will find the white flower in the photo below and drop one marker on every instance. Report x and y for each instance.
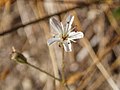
(63, 33)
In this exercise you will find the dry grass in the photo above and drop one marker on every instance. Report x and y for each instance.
(94, 63)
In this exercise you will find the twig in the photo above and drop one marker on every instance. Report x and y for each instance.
(99, 65)
(35, 21)
(100, 78)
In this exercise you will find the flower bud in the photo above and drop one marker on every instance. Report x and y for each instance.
(16, 56)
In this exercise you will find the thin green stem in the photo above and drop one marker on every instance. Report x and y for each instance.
(63, 67)
(43, 71)
(63, 71)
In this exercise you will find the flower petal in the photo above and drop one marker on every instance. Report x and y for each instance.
(75, 35)
(67, 46)
(52, 40)
(56, 25)
(69, 21)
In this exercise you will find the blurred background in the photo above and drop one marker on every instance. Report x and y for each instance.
(24, 24)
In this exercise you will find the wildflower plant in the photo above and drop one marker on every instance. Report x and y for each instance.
(64, 34)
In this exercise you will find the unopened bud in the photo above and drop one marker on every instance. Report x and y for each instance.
(16, 56)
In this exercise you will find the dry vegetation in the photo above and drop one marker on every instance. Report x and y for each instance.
(94, 63)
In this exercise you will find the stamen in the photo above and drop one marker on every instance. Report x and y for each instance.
(71, 30)
(72, 40)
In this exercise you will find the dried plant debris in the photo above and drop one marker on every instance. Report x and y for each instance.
(93, 61)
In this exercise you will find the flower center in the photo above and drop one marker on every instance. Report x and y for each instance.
(64, 37)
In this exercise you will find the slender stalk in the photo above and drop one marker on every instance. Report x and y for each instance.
(63, 72)
(63, 66)
(43, 71)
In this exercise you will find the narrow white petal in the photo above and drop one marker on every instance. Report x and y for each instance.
(62, 28)
(66, 28)
(55, 25)
(52, 40)
(69, 21)
(76, 35)
(67, 46)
